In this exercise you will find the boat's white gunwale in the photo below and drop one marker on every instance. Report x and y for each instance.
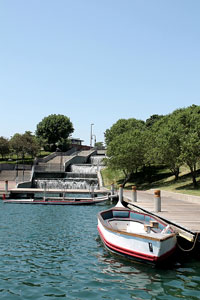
(146, 237)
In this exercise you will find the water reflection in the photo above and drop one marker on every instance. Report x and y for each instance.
(147, 281)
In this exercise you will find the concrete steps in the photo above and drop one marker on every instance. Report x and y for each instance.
(59, 159)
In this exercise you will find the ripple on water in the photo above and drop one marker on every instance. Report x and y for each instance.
(55, 253)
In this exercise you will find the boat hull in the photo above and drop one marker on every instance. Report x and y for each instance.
(137, 246)
(57, 202)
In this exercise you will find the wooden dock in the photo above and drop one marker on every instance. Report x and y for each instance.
(183, 211)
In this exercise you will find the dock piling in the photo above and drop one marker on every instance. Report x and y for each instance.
(112, 189)
(44, 195)
(134, 194)
(157, 201)
(6, 186)
(120, 193)
(92, 190)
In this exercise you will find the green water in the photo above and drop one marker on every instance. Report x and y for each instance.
(54, 252)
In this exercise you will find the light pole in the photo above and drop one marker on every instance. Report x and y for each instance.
(94, 139)
(60, 152)
(91, 135)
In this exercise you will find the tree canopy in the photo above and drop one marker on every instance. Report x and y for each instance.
(189, 120)
(25, 143)
(166, 133)
(153, 119)
(126, 152)
(99, 146)
(122, 126)
(54, 130)
(4, 146)
(172, 140)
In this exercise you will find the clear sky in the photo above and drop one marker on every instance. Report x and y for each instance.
(96, 61)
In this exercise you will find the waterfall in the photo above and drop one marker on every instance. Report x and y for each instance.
(70, 175)
(63, 184)
(97, 160)
(82, 176)
(85, 169)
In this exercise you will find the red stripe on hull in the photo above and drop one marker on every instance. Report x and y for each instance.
(131, 253)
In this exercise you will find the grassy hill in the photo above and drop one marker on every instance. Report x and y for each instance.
(155, 178)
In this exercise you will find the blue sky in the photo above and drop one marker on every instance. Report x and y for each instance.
(96, 61)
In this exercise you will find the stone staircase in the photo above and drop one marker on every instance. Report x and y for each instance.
(58, 159)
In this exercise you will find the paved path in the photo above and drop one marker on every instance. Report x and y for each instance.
(11, 185)
(182, 210)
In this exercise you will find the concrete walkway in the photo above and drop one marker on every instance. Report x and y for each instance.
(183, 210)
(11, 185)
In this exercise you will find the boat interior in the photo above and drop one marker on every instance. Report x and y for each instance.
(134, 222)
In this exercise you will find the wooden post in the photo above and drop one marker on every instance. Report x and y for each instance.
(92, 190)
(120, 193)
(112, 189)
(44, 195)
(157, 201)
(134, 194)
(6, 186)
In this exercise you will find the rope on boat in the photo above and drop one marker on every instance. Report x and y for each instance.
(189, 250)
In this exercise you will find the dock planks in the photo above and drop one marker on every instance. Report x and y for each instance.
(184, 213)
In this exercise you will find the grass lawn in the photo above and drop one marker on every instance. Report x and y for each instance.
(12, 159)
(155, 178)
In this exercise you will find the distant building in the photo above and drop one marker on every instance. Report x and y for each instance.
(77, 143)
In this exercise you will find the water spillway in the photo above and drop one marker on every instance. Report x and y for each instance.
(64, 184)
(85, 169)
(81, 176)
(97, 160)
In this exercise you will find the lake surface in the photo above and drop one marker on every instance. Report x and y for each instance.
(54, 252)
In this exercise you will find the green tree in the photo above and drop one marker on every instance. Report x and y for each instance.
(153, 119)
(17, 144)
(23, 144)
(126, 153)
(165, 147)
(122, 126)
(54, 130)
(177, 140)
(31, 144)
(189, 120)
(4, 146)
(99, 146)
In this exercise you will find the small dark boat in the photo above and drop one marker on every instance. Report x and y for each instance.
(59, 201)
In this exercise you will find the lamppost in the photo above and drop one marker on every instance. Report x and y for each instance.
(60, 154)
(91, 135)
(94, 139)
(17, 166)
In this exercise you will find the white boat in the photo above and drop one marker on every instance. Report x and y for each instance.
(135, 234)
